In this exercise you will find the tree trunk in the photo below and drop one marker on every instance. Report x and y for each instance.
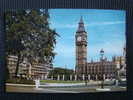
(17, 66)
(7, 70)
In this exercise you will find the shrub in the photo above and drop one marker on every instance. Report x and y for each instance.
(20, 81)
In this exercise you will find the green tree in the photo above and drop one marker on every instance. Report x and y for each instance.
(61, 71)
(14, 27)
(41, 39)
(29, 35)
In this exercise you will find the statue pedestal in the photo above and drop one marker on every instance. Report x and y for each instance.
(37, 83)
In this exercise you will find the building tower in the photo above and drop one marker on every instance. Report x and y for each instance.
(81, 48)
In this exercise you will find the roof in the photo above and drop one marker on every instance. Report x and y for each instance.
(81, 27)
(98, 63)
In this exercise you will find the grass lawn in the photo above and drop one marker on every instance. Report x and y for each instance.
(60, 81)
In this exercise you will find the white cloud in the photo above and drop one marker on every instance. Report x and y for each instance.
(61, 25)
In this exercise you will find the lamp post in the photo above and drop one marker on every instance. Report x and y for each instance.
(102, 54)
(86, 74)
(65, 77)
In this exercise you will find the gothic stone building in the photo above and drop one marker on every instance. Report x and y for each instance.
(108, 69)
(81, 48)
(94, 69)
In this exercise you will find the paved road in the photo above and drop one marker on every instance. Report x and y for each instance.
(32, 89)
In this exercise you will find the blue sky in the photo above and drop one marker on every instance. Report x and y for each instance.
(105, 29)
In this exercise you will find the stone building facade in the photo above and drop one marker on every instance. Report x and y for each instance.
(96, 69)
(81, 48)
(26, 70)
(108, 69)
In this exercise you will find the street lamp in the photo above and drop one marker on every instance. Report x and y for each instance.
(65, 73)
(86, 74)
(101, 54)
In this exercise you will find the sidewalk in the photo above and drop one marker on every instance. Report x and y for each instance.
(48, 85)
(91, 83)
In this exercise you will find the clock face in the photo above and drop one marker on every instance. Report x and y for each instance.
(84, 39)
(79, 38)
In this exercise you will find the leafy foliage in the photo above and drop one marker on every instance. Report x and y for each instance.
(20, 81)
(61, 71)
(29, 36)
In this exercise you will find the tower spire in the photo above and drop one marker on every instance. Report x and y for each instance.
(81, 27)
(81, 19)
(81, 48)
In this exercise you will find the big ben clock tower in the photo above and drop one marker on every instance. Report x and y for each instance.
(81, 48)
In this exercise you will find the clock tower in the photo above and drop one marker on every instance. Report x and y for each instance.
(81, 48)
